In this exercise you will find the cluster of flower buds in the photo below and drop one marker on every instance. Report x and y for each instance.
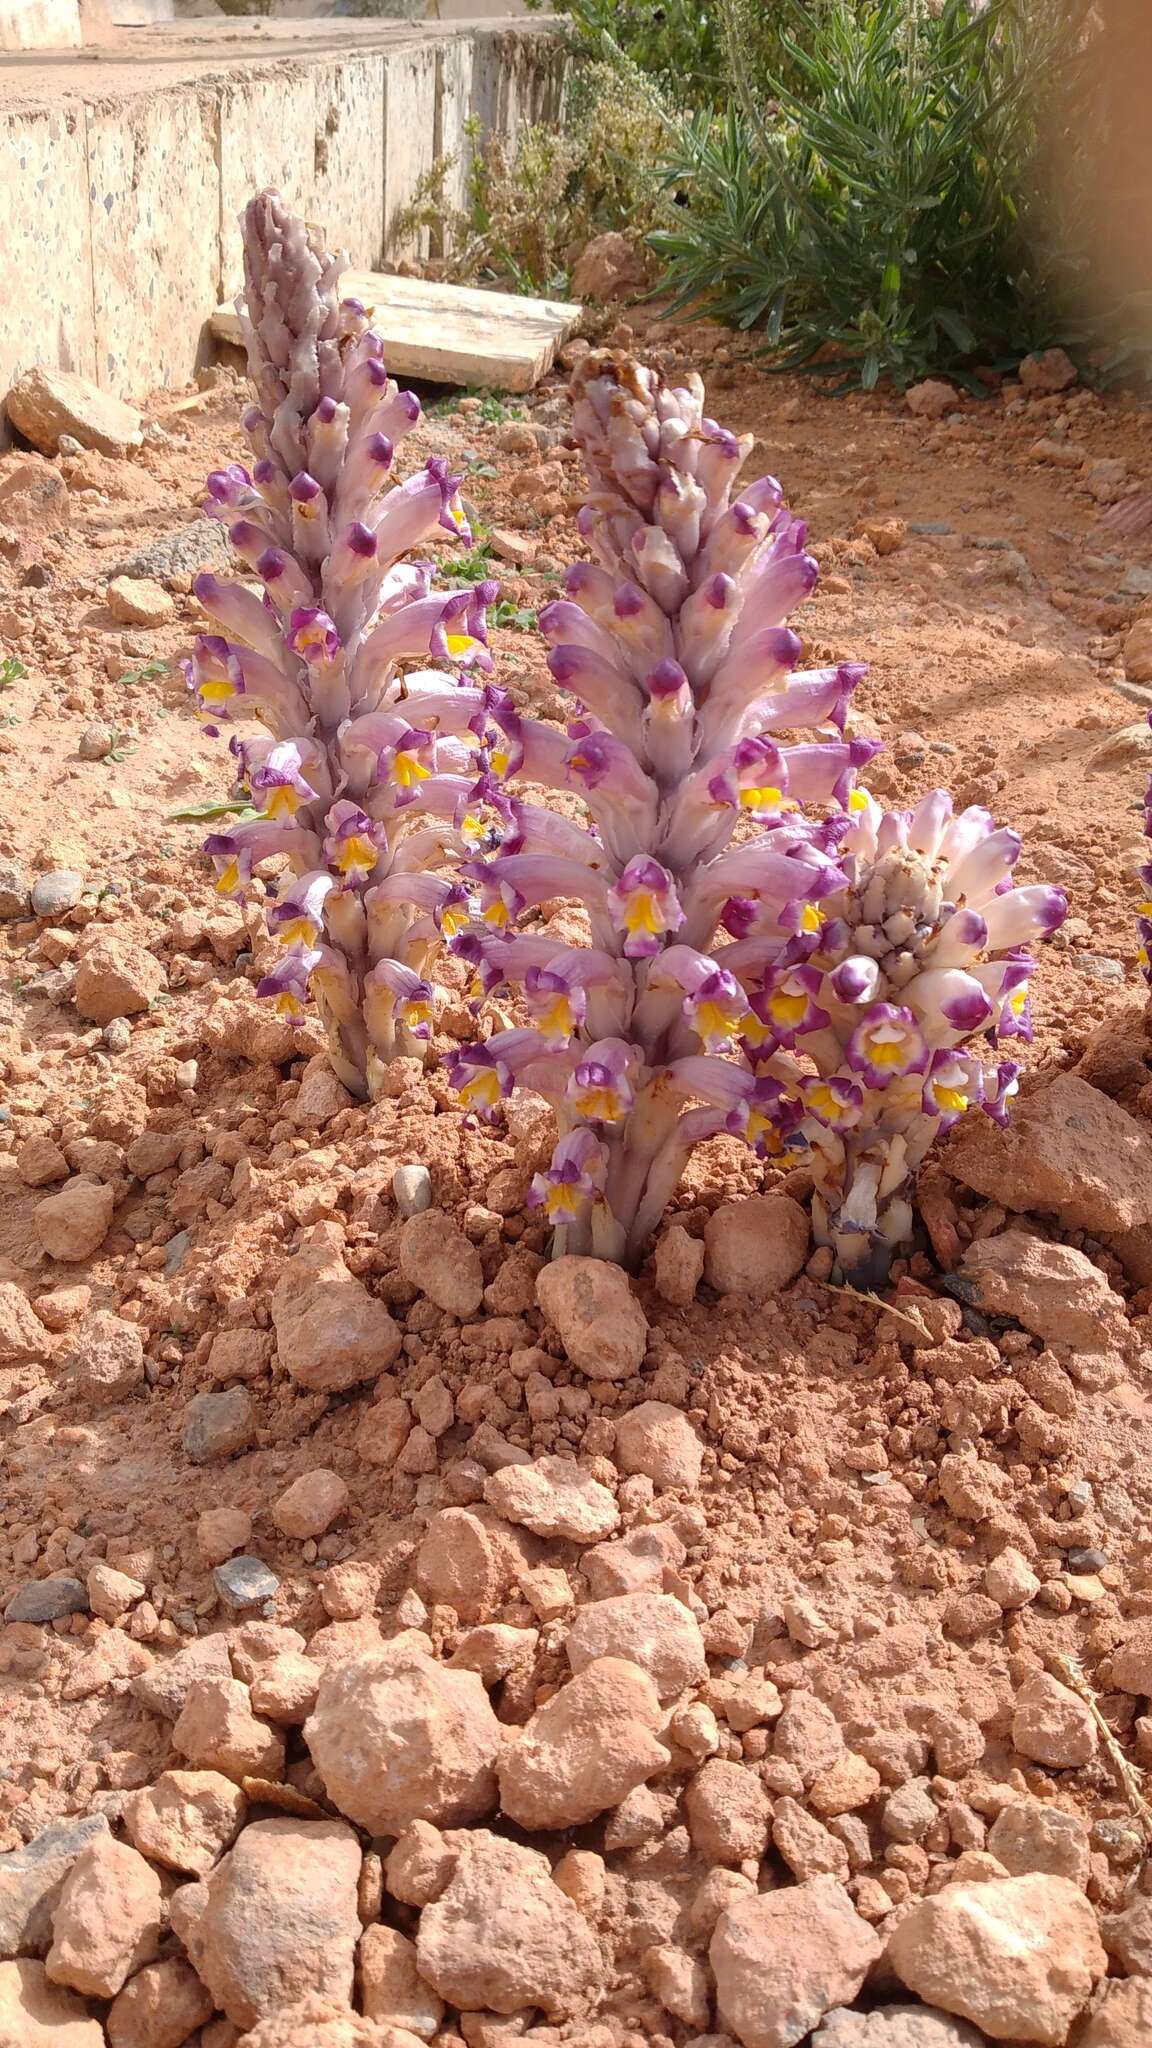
(870, 1022)
(674, 646)
(367, 781)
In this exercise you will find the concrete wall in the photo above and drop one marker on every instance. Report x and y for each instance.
(39, 24)
(118, 215)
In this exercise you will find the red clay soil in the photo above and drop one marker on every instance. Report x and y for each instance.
(905, 1518)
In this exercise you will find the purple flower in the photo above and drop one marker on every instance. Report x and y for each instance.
(886, 1045)
(600, 1088)
(644, 906)
(573, 1179)
(353, 841)
(287, 984)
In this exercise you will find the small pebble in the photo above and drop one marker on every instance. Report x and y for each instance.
(412, 1189)
(1087, 1560)
(117, 1035)
(1098, 965)
(95, 741)
(244, 1582)
(176, 1249)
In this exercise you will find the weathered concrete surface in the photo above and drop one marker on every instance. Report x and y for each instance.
(45, 233)
(39, 25)
(120, 181)
(152, 171)
(409, 139)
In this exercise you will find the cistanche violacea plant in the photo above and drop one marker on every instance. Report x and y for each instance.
(366, 779)
(701, 864)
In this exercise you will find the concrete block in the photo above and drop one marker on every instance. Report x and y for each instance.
(455, 85)
(409, 138)
(40, 25)
(154, 184)
(317, 136)
(46, 310)
(518, 80)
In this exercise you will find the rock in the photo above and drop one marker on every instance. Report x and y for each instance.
(1132, 1659)
(806, 1845)
(1127, 1936)
(185, 1819)
(659, 1442)
(117, 977)
(112, 1593)
(1031, 1835)
(279, 1919)
(14, 890)
(1123, 2020)
(164, 1689)
(610, 266)
(34, 494)
(217, 1425)
(39, 1163)
(412, 1190)
(599, 1321)
(1138, 651)
(502, 1936)
(43, 1600)
(679, 1982)
(894, 2026)
(31, 1880)
(310, 1505)
(35, 2013)
(45, 403)
(1018, 1956)
(398, 1738)
(554, 1497)
(285, 1689)
(640, 1558)
(808, 1735)
(384, 1430)
(1047, 372)
(784, 1959)
(1052, 1289)
(21, 1330)
(931, 399)
(445, 1265)
(728, 1812)
(1069, 1151)
(56, 892)
(755, 1246)
(330, 1332)
(244, 1582)
(137, 601)
(678, 1265)
(318, 2023)
(107, 1921)
(321, 1096)
(73, 1224)
(585, 1749)
(470, 1560)
(419, 1867)
(514, 547)
(202, 545)
(160, 2007)
(650, 1629)
(1128, 747)
(238, 1354)
(1052, 1725)
(217, 1731)
(108, 1359)
(220, 1532)
(391, 1988)
(1010, 1580)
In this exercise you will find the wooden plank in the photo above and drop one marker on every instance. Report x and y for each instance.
(451, 334)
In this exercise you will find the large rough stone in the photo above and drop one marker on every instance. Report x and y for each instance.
(895, 2026)
(1052, 1289)
(74, 1223)
(31, 1880)
(585, 1749)
(444, 1264)
(391, 1987)
(43, 1600)
(398, 1738)
(600, 1322)
(610, 266)
(1033, 1835)
(23, 1340)
(107, 1921)
(1069, 1151)
(117, 977)
(320, 2023)
(35, 2013)
(1124, 2020)
(277, 1919)
(330, 1332)
(653, 1630)
(755, 1246)
(217, 1425)
(186, 1819)
(554, 1497)
(46, 403)
(470, 1559)
(1052, 1725)
(217, 1731)
(659, 1442)
(503, 1936)
(164, 1689)
(160, 2007)
(1017, 1956)
(107, 1359)
(783, 1959)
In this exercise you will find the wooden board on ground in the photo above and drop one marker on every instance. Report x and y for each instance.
(451, 333)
